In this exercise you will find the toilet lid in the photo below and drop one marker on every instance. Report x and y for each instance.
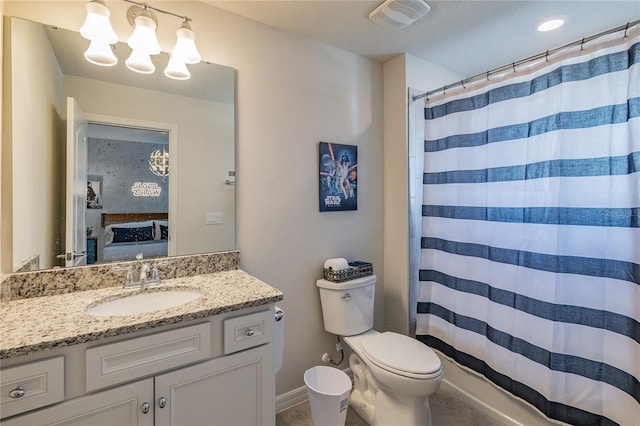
(401, 353)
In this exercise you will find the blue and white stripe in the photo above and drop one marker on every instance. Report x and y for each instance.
(530, 249)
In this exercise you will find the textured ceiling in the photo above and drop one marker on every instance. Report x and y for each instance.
(469, 37)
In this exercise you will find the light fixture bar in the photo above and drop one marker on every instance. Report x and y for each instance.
(143, 41)
(166, 12)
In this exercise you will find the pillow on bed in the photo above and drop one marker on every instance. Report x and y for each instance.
(108, 231)
(164, 232)
(157, 231)
(128, 235)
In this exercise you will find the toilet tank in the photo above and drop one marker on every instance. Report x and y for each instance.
(347, 307)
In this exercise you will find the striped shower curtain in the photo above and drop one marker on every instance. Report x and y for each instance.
(530, 245)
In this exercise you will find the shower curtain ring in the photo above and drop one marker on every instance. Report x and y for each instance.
(487, 75)
(626, 28)
(582, 44)
(514, 66)
(546, 57)
(462, 83)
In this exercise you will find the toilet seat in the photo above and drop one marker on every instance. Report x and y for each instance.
(402, 355)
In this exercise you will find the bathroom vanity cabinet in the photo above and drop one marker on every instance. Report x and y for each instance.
(212, 371)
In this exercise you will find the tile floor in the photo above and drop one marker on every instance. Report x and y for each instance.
(446, 410)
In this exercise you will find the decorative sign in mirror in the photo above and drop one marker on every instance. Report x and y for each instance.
(186, 171)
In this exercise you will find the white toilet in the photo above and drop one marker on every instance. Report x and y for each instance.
(394, 374)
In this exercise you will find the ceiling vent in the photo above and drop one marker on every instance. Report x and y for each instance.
(398, 14)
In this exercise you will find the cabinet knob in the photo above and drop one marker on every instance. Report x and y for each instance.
(250, 332)
(17, 392)
(145, 407)
(162, 402)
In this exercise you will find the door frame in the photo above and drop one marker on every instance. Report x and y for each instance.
(172, 130)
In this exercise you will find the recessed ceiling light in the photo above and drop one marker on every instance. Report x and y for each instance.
(551, 23)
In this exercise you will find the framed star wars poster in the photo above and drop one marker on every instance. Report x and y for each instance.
(338, 177)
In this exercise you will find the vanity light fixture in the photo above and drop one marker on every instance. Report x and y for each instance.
(185, 52)
(143, 42)
(100, 53)
(177, 69)
(185, 49)
(97, 28)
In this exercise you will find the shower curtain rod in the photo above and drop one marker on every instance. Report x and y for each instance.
(529, 59)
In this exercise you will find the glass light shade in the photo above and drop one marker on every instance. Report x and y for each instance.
(140, 61)
(185, 48)
(177, 69)
(100, 53)
(97, 25)
(144, 36)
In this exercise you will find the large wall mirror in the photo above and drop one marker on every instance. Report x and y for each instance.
(159, 159)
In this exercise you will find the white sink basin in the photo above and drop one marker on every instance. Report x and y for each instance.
(142, 303)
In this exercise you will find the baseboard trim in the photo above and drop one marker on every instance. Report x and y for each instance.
(297, 396)
(291, 399)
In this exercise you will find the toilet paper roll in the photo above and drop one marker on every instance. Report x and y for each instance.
(337, 264)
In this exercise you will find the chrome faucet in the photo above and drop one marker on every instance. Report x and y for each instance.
(128, 283)
(144, 273)
(145, 270)
(155, 274)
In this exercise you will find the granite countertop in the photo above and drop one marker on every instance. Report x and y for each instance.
(41, 323)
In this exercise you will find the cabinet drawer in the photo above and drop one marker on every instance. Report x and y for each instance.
(247, 331)
(143, 356)
(42, 383)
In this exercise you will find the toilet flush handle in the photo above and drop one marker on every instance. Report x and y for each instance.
(346, 296)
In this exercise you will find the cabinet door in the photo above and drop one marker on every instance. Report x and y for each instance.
(235, 390)
(120, 406)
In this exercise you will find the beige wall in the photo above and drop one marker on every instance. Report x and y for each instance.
(400, 74)
(291, 94)
(35, 137)
(3, 234)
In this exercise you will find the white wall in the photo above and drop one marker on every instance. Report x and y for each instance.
(291, 94)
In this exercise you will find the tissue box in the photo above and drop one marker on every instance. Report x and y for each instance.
(357, 269)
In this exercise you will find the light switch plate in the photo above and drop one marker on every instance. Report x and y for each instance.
(213, 218)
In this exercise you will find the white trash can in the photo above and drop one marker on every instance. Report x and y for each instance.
(328, 390)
